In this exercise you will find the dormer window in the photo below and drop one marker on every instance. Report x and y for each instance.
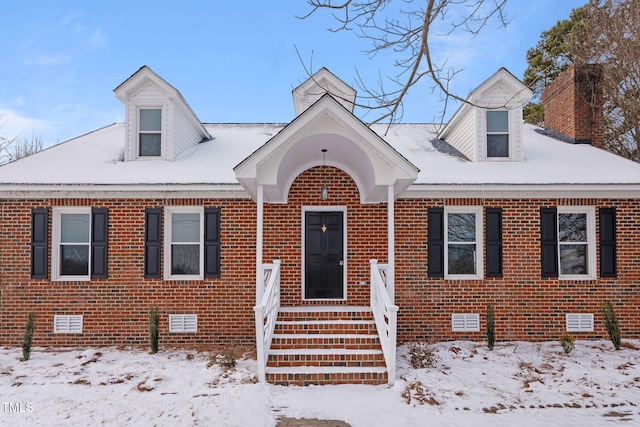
(150, 132)
(498, 134)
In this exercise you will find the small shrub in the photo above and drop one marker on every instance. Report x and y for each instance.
(422, 355)
(491, 327)
(567, 342)
(611, 323)
(154, 328)
(226, 360)
(28, 336)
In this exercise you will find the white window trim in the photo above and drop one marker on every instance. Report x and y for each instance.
(136, 137)
(183, 323)
(468, 322)
(479, 242)
(55, 242)
(168, 212)
(579, 322)
(590, 211)
(63, 324)
(510, 138)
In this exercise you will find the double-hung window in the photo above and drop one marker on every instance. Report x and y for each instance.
(150, 132)
(184, 227)
(498, 134)
(568, 242)
(463, 242)
(191, 243)
(455, 246)
(575, 241)
(79, 243)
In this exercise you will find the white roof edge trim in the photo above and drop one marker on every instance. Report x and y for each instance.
(510, 191)
(137, 191)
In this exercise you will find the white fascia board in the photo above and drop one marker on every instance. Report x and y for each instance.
(222, 191)
(522, 191)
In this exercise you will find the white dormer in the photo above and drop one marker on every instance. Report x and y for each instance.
(322, 82)
(159, 122)
(489, 126)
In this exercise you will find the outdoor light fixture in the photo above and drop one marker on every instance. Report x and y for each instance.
(324, 191)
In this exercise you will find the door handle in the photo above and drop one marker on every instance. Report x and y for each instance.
(341, 262)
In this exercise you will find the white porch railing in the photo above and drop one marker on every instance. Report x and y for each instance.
(386, 316)
(266, 314)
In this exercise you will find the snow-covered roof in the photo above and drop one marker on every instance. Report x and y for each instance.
(96, 159)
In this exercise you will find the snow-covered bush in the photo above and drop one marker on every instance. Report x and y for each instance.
(422, 355)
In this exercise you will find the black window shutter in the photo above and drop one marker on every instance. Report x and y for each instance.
(608, 258)
(152, 243)
(493, 242)
(39, 243)
(99, 233)
(212, 242)
(435, 242)
(549, 241)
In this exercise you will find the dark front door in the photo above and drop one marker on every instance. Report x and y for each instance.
(324, 262)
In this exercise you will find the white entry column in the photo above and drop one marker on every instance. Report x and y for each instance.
(391, 239)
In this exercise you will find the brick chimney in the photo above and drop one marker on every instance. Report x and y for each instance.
(573, 105)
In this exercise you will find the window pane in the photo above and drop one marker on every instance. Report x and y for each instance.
(185, 227)
(150, 120)
(497, 121)
(462, 259)
(572, 227)
(74, 260)
(573, 259)
(150, 144)
(185, 259)
(461, 227)
(497, 145)
(75, 228)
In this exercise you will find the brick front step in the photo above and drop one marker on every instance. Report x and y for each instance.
(327, 326)
(326, 345)
(326, 357)
(318, 375)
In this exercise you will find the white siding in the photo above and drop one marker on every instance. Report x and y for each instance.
(185, 134)
(462, 136)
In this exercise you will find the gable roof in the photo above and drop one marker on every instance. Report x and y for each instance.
(351, 146)
(319, 84)
(409, 159)
(510, 87)
(146, 89)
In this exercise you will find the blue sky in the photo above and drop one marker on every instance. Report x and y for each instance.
(233, 61)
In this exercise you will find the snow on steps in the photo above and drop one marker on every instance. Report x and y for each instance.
(326, 345)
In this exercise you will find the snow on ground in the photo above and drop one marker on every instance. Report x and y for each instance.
(518, 383)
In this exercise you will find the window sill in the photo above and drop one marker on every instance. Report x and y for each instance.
(183, 278)
(463, 277)
(577, 277)
(71, 279)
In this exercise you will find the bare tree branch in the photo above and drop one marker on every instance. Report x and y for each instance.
(409, 34)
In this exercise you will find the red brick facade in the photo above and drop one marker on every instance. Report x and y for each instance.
(115, 309)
